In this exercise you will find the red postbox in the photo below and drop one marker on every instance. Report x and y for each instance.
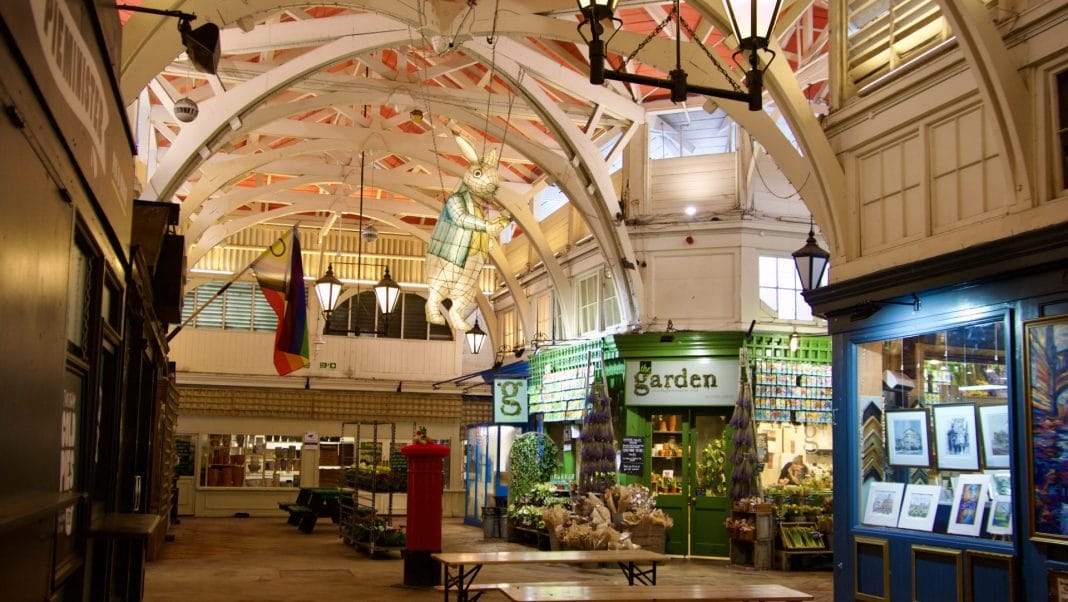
(426, 486)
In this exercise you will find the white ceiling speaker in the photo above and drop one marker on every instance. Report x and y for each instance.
(186, 110)
(369, 233)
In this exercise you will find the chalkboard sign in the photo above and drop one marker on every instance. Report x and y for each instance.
(398, 465)
(184, 448)
(632, 456)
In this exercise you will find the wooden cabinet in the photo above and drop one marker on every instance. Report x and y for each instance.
(752, 547)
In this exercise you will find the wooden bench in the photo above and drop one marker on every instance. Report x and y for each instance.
(489, 587)
(532, 592)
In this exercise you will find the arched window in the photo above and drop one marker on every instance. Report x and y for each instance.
(359, 315)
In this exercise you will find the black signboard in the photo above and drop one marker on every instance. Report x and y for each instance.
(184, 449)
(632, 456)
(398, 464)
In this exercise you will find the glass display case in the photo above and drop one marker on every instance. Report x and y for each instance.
(247, 460)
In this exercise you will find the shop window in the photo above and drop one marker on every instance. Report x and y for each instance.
(780, 289)
(935, 432)
(1062, 126)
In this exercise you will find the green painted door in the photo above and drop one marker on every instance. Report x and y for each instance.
(690, 473)
(709, 445)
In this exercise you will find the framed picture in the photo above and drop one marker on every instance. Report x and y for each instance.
(919, 507)
(1046, 401)
(994, 425)
(1058, 585)
(969, 503)
(1000, 520)
(955, 436)
(884, 504)
(1000, 483)
(906, 438)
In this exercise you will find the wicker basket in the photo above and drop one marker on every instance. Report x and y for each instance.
(649, 536)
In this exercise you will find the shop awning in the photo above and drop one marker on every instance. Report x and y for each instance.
(519, 369)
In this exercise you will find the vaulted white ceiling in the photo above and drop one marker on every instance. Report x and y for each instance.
(305, 92)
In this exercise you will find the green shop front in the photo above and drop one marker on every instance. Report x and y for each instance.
(679, 393)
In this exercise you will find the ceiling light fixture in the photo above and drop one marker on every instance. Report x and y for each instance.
(475, 338)
(753, 22)
(811, 261)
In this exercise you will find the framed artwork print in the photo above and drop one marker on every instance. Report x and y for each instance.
(1000, 483)
(884, 504)
(1058, 585)
(1046, 403)
(906, 438)
(969, 503)
(994, 425)
(919, 507)
(1000, 520)
(955, 436)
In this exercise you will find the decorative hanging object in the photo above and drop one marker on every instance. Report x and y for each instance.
(459, 244)
(743, 452)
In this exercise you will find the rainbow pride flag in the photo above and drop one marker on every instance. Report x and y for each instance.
(280, 272)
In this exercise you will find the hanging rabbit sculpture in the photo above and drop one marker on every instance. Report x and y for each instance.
(459, 244)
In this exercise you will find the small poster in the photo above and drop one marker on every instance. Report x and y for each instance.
(632, 456)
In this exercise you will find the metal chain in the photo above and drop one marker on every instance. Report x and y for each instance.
(649, 37)
(708, 52)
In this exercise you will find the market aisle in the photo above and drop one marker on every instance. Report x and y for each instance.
(267, 560)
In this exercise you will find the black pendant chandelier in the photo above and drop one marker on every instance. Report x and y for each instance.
(753, 22)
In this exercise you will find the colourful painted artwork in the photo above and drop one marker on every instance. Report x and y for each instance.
(1046, 360)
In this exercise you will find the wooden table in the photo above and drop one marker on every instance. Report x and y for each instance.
(533, 592)
(459, 569)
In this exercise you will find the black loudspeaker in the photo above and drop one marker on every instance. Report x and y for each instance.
(202, 45)
(168, 279)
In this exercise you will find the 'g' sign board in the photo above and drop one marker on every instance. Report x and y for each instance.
(509, 400)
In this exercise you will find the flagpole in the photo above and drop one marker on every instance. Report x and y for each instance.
(222, 290)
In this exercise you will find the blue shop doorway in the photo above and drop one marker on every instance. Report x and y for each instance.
(486, 471)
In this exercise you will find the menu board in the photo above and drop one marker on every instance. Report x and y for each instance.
(632, 456)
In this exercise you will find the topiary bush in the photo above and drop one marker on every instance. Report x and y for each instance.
(531, 461)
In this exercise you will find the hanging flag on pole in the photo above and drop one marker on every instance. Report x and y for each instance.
(280, 272)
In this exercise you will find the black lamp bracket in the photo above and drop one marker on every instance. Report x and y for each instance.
(185, 18)
(915, 303)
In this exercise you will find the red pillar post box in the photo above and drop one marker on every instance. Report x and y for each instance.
(425, 491)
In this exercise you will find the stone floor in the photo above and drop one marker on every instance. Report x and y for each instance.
(266, 560)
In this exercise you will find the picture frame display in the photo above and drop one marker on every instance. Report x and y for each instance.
(956, 439)
(1000, 483)
(906, 438)
(1000, 520)
(919, 507)
(994, 426)
(883, 504)
(969, 505)
(1045, 391)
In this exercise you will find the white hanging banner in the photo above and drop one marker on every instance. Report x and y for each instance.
(696, 382)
